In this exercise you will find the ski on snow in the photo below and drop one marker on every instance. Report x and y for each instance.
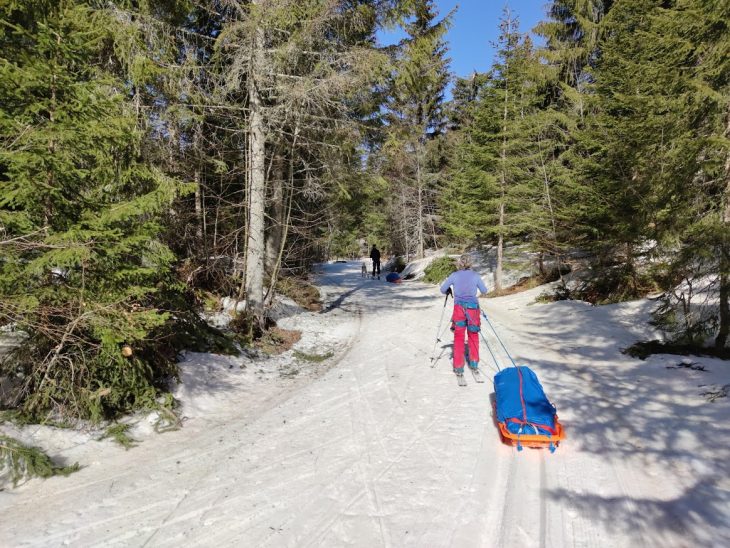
(476, 372)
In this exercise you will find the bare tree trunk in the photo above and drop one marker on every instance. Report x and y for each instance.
(500, 250)
(554, 234)
(257, 186)
(199, 209)
(404, 223)
(502, 178)
(724, 331)
(285, 224)
(198, 206)
(419, 205)
(239, 252)
(724, 266)
(215, 223)
(276, 229)
(503, 187)
(433, 230)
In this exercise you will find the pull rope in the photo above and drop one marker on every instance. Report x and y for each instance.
(489, 348)
(500, 340)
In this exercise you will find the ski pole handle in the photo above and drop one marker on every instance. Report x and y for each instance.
(449, 293)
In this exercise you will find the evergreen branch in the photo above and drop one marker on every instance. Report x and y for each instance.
(22, 462)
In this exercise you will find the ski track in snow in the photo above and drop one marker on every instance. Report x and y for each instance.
(383, 450)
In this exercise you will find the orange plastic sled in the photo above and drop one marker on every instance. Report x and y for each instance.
(532, 440)
(529, 440)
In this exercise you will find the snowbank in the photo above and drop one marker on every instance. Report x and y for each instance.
(518, 263)
(212, 388)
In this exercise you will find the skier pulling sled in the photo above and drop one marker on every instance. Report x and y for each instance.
(464, 284)
(525, 416)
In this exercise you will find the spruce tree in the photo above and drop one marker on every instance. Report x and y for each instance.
(295, 73)
(572, 34)
(83, 273)
(416, 121)
(687, 52)
(495, 188)
(656, 149)
(469, 209)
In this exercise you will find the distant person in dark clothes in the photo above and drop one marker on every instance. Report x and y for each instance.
(375, 256)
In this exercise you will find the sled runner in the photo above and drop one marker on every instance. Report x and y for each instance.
(524, 414)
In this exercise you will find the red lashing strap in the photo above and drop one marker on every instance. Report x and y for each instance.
(524, 411)
(522, 399)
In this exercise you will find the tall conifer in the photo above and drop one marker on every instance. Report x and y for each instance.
(83, 273)
(656, 150)
(416, 120)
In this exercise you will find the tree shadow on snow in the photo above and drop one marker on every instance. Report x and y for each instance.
(628, 413)
(700, 513)
(203, 374)
(372, 295)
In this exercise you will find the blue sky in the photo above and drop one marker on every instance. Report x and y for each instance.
(475, 27)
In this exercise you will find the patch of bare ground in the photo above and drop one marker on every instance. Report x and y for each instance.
(277, 340)
(523, 284)
(301, 292)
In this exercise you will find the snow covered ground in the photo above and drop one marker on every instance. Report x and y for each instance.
(373, 447)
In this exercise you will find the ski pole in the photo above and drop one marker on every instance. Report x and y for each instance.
(435, 361)
(438, 331)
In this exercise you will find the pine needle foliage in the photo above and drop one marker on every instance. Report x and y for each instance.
(119, 432)
(509, 182)
(19, 462)
(439, 270)
(83, 271)
(416, 120)
(655, 149)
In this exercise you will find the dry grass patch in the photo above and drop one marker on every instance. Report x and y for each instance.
(524, 283)
(315, 358)
(301, 292)
(277, 340)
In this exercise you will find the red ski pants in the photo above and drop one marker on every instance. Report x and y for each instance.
(466, 320)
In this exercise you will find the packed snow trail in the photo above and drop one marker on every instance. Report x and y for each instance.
(383, 450)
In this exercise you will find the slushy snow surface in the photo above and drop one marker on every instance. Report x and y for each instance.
(373, 447)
